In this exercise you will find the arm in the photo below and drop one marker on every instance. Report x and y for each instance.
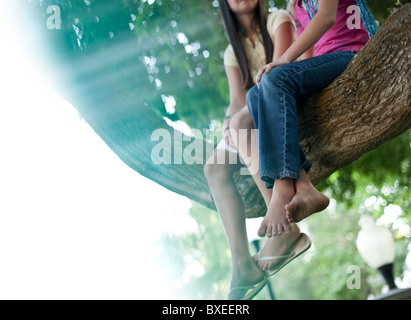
(284, 37)
(320, 24)
(308, 54)
(237, 92)
(237, 98)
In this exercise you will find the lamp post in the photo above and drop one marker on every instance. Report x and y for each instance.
(376, 246)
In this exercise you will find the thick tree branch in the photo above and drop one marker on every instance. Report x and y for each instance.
(368, 105)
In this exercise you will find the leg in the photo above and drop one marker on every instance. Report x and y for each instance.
(273, 106)
(230, 207)
(275, 221)
(246, 144)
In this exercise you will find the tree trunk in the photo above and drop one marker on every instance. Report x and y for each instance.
(368, 105)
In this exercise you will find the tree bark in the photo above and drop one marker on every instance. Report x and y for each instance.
(368, 105)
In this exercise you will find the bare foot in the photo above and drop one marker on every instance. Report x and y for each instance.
(246, 274)
(275, 221)
(277, 246)
(307, 200)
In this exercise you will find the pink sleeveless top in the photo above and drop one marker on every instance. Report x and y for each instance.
(339, 37)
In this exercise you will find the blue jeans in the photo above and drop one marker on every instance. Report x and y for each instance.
(273, 106)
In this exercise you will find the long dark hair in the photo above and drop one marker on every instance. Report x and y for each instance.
(234, 29)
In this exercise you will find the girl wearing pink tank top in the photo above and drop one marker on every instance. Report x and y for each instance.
(332, 28)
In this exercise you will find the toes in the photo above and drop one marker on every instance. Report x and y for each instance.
(262, 266)
(262, 230)
(283, 228)
(286, 229)
(291, 206)
(265, 265)
(289, 216)
(279, 229)
(270, 231)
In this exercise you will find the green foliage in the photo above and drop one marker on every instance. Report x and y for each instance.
(384, 173)
(381, 9)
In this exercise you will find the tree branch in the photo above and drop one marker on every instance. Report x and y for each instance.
(368, 105)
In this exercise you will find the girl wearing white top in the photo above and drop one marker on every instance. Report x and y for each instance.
(255, 40)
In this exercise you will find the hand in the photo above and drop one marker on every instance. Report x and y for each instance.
(268, 67)
(226, 132)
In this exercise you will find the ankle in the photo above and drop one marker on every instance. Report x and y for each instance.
(242, 262)
(303, 184)
(284, 186)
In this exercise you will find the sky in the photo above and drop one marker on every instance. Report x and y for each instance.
(75, 221)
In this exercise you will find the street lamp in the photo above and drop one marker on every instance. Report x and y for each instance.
(376, 246)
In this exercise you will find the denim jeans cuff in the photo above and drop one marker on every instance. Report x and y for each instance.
(269, 177)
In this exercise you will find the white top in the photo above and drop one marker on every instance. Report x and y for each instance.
(256, 55)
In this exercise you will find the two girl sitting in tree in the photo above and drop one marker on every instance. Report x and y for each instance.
(286, 72)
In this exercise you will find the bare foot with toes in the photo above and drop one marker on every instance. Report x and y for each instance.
(275, 221)
(307, 200)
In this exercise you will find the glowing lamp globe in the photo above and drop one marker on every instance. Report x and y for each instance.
(376, 246)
